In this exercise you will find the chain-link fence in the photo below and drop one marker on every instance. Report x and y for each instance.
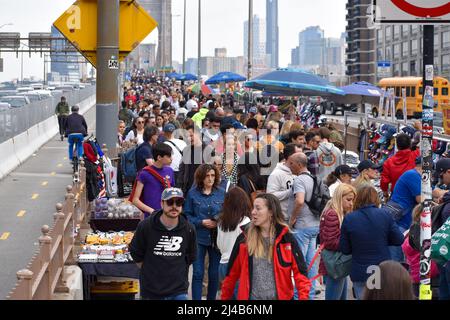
(14, 121)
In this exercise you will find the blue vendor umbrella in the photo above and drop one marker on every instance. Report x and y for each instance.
(360, 92)
(186, 77)
(293, 82)
(225, 77)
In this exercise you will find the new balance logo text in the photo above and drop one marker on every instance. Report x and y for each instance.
(168, 246)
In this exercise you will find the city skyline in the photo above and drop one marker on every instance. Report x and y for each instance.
(294, 16)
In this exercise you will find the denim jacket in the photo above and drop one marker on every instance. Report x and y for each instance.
(199, 206)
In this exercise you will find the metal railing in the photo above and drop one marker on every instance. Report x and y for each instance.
(14, 121)
(45, 274)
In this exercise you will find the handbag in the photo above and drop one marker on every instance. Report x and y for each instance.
(338, 265)
(255, 192)
(394, 209)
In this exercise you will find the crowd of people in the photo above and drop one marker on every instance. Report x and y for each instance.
(268, 200)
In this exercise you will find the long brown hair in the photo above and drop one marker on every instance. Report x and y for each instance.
(236, 206)
(395, 284)
(202, 171)
(255, 242)
(366, 195)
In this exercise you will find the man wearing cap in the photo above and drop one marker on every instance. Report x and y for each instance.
(406, 195)
(252, 112)
(367, 172)
(163, 247)
(177, 146)
(398, 164)
(442, 174)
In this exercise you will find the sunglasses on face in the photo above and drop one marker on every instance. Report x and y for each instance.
(178, 202)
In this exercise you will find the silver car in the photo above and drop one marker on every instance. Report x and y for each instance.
(16, 101)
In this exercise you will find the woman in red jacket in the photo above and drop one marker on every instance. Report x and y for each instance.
(265, 256)
(330, 231)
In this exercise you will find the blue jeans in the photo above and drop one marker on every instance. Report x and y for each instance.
(335, 289)
(444, 282)
(396, 251)
(306, 238)
(199, 271)
(78, 139)
(359, 289)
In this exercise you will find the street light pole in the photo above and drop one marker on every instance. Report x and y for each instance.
(21, 68)
(199, 38)
(184, 38)
(250, 39)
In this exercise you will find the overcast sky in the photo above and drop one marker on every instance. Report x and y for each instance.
(223, 24)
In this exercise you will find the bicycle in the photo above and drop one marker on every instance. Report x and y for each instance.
(76, 140)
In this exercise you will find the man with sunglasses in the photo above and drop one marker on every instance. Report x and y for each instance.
(163, 247)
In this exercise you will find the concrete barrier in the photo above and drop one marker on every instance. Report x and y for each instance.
(17, 150)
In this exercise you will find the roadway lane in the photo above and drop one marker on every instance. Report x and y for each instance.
(27, 202)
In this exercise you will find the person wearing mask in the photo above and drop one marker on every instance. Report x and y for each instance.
(282, 177)
(329, 156)
(367, 172)
(342, 174)
(398, 164)
(203, 205)
(313, 140)
(395, 284)
(137, 131)
(62, 111)
(366, 234)
(407, 194)
(340, 205)
(165, 277)
(153, 180)
(212, 134)
(234, 216)
(144, 155)
(301, 218)
(265, 257)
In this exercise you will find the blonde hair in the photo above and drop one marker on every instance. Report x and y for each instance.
(286, 127)
(362, 179)
(296, 126)
(255, 240)
(335, 202)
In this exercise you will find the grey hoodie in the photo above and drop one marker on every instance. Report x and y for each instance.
(280, 185)
(329, 158)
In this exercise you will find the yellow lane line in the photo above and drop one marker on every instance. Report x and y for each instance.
(35, 196)
(53, 173)
(44, 183)
(5, 236)
(59, 165)
(65, 158)
(21, 213)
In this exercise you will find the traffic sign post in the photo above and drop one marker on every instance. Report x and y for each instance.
(384, 69)
(428, 13)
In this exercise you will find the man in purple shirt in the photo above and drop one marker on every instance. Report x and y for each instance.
(149, 187)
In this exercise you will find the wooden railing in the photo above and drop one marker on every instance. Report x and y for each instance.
(45, 274)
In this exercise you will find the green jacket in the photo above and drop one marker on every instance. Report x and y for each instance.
(62, 109)
(199, 116)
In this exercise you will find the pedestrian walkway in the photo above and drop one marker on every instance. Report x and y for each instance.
(27, 202)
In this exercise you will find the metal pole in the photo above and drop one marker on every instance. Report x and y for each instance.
(199, 38)
(250, 39)
(184, 38)
(21, 68)
(107, 72)
(427, 162)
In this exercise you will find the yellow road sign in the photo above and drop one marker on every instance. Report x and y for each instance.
(79, 25)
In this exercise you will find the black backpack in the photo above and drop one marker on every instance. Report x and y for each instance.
(414, 230)
(319, 198)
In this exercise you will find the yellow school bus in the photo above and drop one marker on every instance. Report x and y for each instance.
(414, 91)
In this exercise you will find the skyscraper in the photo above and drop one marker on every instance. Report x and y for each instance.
(272, 32)
(311, 43)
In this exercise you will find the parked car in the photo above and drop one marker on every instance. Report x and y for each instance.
(16, 101)
(335, 107)
(4, 93)
(24, 89)
(33, 96)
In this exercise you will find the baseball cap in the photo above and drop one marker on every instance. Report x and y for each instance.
(419, 160)
(253, 110)
(273, 108)
(343, 169)
(170, 193)
(367, 164)
(170, 127)
(442, 165)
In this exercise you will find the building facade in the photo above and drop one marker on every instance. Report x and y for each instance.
(402, 46)
(272, 32)
(311, 46)
(143, 57)
(161, 11)
(361, 60)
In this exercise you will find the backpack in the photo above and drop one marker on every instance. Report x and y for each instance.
(414, 230)
(128, 164)
(319, 198)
